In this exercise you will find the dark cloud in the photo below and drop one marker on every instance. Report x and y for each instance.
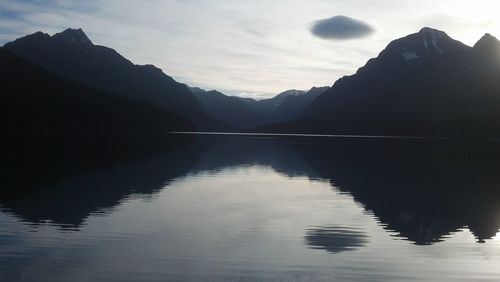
(341, 28)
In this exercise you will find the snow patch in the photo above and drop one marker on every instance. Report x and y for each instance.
(435, 43)
(410, 56)
(426, 45)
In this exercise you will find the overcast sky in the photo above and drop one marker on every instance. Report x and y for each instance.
(254, 48)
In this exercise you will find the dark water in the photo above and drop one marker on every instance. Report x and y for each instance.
(225, 208)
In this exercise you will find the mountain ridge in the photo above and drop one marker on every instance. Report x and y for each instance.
(247, 113)
(72, 55)
(71, 35)
(420, 84)
(40, 102)
(429, 94)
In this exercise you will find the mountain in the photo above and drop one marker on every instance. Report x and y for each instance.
(72, 55)
(37, 102)
(267, 107)
(293, 105)
(489, 46)
(274, 103)
(425, 84)
(233, 111)
(286, 105)
(247, 113)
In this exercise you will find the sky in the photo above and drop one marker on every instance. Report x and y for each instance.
(252, 48)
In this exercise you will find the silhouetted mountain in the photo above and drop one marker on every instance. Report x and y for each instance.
(286, 105)
(425, 84)
(247, 113)
(73, 36)
(45, 117)
(72, 55)
(35, 100)
(292, 106)
(488, 46)
(278, 100)
(231, 110)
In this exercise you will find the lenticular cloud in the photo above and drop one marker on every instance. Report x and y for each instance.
(341, 28)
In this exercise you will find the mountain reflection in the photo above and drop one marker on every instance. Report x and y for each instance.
(423, 190)
(65, 190)
(336, 239)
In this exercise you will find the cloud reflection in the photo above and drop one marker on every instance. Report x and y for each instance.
(336, 239)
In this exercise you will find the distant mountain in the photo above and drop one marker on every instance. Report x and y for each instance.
(39, 103)
(425, 84)
(286, 105)
(267, 107)
(72, 55)
(248, 113)
(231, 110)
(292, 106)
(274, 103)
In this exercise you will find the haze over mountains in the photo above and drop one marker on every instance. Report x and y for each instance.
(425, 84)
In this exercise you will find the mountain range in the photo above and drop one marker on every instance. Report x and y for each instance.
(424, 84)
(248, 113)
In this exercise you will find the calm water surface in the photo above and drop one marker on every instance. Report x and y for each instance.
(265, 209)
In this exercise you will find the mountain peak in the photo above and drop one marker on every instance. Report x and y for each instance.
(196, 90)
(488, 41)
(488, 47)
(38, 34)
(73, 36)
(431, 41)
(292, 92)
(33, 37)
(431, 30)
(428, 42)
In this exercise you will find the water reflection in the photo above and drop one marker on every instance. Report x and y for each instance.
(64, 188)
(336, 239)
(422, 190)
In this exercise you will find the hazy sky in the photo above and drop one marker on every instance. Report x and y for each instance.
(251, 48)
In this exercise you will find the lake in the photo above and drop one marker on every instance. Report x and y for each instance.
(259, 208)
